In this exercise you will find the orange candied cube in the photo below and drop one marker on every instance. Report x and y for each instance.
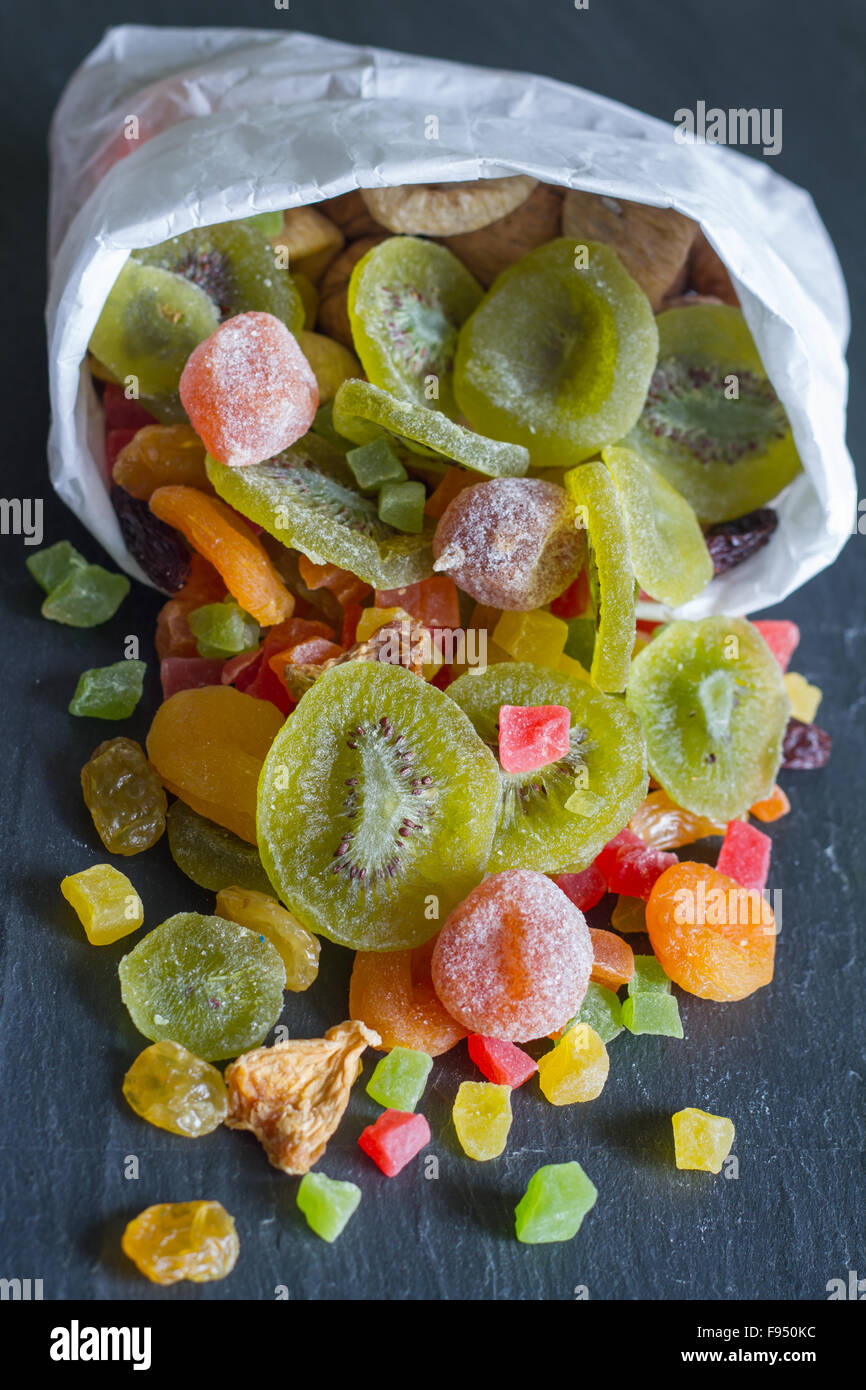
(453, 483)
(346, 587)
(773, 807)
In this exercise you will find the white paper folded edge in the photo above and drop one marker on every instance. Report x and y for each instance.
(252, 121)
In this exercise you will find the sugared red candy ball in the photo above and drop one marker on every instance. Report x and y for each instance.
(531, 736)
(513, 960)
(175, 1090)
(510, 542)
(702, 1141)
(108, 906)
(482, 1118)
(182, 1240)
(558, 1197)
(248, 390)
(576, 1069)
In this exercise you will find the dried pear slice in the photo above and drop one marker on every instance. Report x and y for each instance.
(612, 584)
(446, 209)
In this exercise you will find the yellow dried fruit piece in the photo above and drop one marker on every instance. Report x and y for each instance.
(373, 618)
(537, 637)
(261, 913)
(482, 1118)
(175, 1090)
(702, 1141)
(182, 1240)
(312, 241)
(805, 698)
(629, 915)
(106, 902)
(332, 363)
(662, 824)
(293, 1095)
(576, 1069)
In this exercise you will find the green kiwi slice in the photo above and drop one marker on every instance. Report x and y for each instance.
(611, 574)
(712, 423)
(308, 499)
(559, 354)
(713, 707)
(604, 775)
(234, 264)
(407, 300)
(377, 806)
(363, 412)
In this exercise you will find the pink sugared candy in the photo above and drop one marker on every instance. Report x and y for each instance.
(513, 959)
(631, 867)
(584, 889)
(394, 1140)
(781, 636)
(531, 736)
(500, 1062)
(248, 390)
(745, 855)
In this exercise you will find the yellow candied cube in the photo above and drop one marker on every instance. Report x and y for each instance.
(805, 698)
(373, 618)
(106, 902)
(537, 636)
(576, 1069)
(573, 668)
(702, 1141)
(482, 1118)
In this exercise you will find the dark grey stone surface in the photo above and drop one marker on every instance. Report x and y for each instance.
(787, 1065)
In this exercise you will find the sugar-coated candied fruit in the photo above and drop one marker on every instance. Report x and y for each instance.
(327, 1204)
(399, 1079)
(557, 1198)
(394, 1140)
(576, 1069)
(482, 1118)
(196, 1241)
(107, 905)
(702, 1141)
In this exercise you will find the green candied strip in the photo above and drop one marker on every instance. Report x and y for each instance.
(399, 1078)
(109, 692)
(327, 1203)
(363, 412)
(49, 567)
(591, 488)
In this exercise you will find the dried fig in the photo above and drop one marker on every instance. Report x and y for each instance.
(652, 243)
(492, 249)
(313, 241)
(707, 273)
(447, 209)
(333, 316)
(351, 215)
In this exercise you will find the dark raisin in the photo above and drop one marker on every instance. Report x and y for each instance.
(159, 549)
(732, 542)
(805, 745)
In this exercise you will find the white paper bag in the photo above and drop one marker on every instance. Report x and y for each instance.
(236, 121)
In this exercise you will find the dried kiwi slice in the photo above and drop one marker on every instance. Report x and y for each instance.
(713, 707)
(377, 805)
(604, 775)
(559, 354)
(668, 551)
(363, 412)
(407, 300)
(307, 498)
(234, 264)
(726, 453)
(611, 576)
(204, 982)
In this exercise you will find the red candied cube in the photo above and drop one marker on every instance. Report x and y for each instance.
(351, 618)
(248, 389)
(745, 855)
(189, 673)
(781, 636)
(433, 602)
(501, 1062)
(268, 686)
(394, 1139)
(630, 866)
(121, 413)
(585, 889)
(240, 671)
(575, 600)
(532, 736)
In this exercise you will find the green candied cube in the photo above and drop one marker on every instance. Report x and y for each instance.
(601, 1010)
(223, 629)
(401, 505)
(327, 1204)
(89, 595)
(554, 1204)
(375, 464)
(55, 563)
(109, 692)
(648, 977)
(399, 1079)
(268, 223)
(653, 1011)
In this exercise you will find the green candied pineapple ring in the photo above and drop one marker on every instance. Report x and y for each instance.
(377, 805)
(726, 453)
(668, 551)
(234, 264)
(591, 488)
(559, 354)
(362, 412)
(713, 707)
(307, 498)
(606, 767)
(149, 325)
(407, 300)
(204, 982)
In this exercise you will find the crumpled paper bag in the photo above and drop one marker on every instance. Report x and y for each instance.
(236, 121)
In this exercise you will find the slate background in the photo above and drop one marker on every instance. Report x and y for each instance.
(787, 1065)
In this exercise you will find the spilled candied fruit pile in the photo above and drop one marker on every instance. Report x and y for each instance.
(409, 502)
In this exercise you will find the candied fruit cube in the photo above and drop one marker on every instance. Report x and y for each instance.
(372, 619)
(585, 889)
(781, 636)
(602, 1010)
(401, 505)
(702, 1141)
(499, 1061)
(88, 596)
(805, 698)
(109, 692)
(375, 464)
(575, 600)
(50, 566)
(394, 1140)
(536, 636)
(745, 855)
(482, 1118)
(105, 901)
(434, 602)
(648, 977)
(576, 1068)
(327, 1204)
(531, 736)
(557, 1198)
(630, 866)
(573, 668)
(399, 1079)
(223, 629)
(773, 807)
(650, 1011)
